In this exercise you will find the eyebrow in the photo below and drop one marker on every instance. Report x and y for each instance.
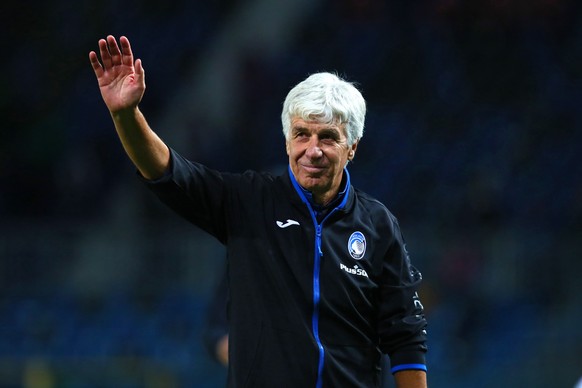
(322, 130)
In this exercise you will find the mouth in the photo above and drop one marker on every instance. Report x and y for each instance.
(313, 169)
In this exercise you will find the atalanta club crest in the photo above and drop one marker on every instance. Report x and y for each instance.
(357, 245)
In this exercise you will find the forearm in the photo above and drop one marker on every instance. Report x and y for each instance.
(144, 147)
(410, 379)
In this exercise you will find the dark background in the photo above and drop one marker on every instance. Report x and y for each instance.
(472, 139)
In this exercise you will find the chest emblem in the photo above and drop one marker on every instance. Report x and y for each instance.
(357, 245)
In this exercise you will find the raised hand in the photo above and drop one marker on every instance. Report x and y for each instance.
(121, 80)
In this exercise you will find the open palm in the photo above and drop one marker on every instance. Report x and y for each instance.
(121, 81)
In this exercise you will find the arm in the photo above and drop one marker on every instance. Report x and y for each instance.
(222, 350)
(122, 85)
(215, 332)
(402, 324)
(410, 379)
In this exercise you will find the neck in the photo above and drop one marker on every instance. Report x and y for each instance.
(327, 198)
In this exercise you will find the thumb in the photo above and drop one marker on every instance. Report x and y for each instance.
(139, 70)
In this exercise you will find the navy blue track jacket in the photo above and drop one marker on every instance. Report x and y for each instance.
(312, 301)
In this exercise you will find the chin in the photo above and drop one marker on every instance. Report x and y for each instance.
(312, 186)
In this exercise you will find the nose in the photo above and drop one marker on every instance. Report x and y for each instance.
(313, 151)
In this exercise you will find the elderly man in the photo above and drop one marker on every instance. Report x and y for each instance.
(320, 282)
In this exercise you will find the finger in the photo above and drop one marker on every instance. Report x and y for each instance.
(104, 53)
(127, 54)
(139, 70)
(97, 68)
(114, 50)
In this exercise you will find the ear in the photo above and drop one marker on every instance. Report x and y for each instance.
(287, 147)
(352, 152)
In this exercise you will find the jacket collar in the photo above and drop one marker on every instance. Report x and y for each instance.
(340, 202)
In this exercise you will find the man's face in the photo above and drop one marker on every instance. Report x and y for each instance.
(317, 155)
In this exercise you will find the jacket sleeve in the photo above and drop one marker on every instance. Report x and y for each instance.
(401, 321)
(195, 192)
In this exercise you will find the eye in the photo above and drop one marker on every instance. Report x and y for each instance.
(328, 137)
(299, 134)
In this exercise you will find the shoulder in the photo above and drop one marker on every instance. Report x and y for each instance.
(251, 181)
(252, 176)
(373, 212)
(374, 207)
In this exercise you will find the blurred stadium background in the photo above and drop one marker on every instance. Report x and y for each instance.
(473, 139)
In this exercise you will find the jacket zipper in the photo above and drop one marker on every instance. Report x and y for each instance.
(316, 297)
(316, 293)
(318, 254)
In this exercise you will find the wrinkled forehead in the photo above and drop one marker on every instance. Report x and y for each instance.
(318, 123)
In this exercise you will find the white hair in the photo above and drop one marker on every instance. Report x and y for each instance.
(327, 98)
